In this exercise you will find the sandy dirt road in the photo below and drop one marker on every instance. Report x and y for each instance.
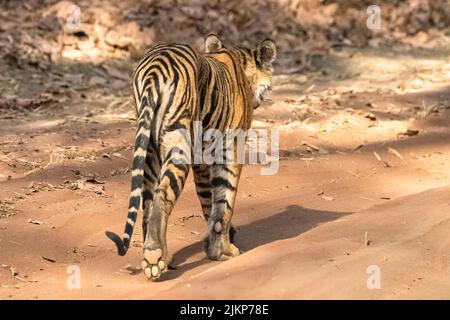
(364, 180)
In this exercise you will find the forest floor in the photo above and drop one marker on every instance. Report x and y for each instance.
(364, 180)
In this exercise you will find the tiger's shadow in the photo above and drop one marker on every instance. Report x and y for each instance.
(289, 223)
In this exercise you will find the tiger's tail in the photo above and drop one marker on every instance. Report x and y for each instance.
(137, 174)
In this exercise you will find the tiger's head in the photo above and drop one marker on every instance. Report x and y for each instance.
(257, 65)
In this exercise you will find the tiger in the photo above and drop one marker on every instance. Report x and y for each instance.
(173, 86)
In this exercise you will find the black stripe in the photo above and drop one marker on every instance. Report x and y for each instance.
(136, 182)
(175, 126)
(189, 61)
(221, 182)
(147, 195)
(204, 194)
(224, 201)
(227, 169)
(173, 183)
(138, 162)
(181, 166)
(128, 229)
(150, 167)
(134, 203)
(203, 185)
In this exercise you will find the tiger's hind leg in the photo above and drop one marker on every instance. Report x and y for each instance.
(202, 179)
(171, 182)
(152, 168)
(224, 183)
(203, 188)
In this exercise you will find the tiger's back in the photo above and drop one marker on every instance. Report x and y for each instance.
(208, 83)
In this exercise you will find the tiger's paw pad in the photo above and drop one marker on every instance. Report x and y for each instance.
(153, 263)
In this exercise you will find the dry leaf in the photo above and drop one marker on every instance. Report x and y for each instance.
(11, 268)
(88, 184)
(395, 152)
(366, 239)
(409, 133)
(48, 259)
(385, 163)
(35, 222)
(327, 198)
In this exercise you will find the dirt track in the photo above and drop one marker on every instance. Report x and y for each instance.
(303, 230)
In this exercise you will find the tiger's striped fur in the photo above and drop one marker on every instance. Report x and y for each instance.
(173, 87)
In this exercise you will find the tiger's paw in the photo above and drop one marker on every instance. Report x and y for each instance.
(230, 252)
(154, 263)
(220, 248)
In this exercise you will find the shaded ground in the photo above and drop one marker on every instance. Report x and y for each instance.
(365, 149)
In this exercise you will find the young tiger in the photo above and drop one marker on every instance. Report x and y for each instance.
(173, 87)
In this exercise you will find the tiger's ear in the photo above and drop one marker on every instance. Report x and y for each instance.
(213, 44)
(265, 53)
